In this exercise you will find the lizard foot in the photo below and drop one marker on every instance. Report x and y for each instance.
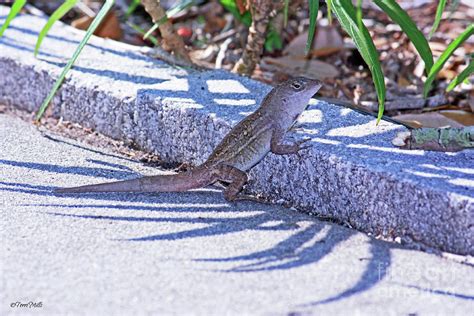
(284, 149)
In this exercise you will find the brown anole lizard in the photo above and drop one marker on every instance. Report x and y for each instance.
(242, 148)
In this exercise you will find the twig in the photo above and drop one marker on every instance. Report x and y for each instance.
(160, 53)
(170, 38)
(256, 38)
(408, 103)
(221, 55)
(224, 35)
(364, 111)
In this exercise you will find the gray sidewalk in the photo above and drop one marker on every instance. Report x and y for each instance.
(352, 173)
(190, 253)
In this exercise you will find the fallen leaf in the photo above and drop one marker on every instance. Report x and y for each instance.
(327, 41)
(447, 74)
(430, 119)
(299, 66)
(462, 117)
(403, 82)
(297, 45)
(108, 28)
(208, 54)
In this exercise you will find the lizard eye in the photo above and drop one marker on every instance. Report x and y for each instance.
(296, 85)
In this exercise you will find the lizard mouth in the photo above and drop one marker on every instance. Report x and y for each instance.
(314, 89)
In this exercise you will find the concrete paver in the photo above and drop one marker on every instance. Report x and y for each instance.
(352, 173)
(190, 253)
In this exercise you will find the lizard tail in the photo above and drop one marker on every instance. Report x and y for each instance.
(197, 178)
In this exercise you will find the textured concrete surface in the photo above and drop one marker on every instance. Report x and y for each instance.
(352, 173)
(191, 253)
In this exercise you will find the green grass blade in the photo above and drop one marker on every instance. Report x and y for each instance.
(347, 16)
(453, 7)
(273, 40)
(138, 29)
(329, 4)
(399, 16)
(469, 70)
(153, 28)
(95, 23)
(439, 13)
(230, 6)
(359, 14)
(16, 7)
(59, 13)
(131, 8)
(285, 13)
(445, 56)
(170, 13)
(313, 15)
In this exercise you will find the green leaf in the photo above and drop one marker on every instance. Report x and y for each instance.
(453, 7)
(313, 15)
(230, 6)
(439, 13)
(170, 13)
(359, 14)
(154, 27)
(399, 16)
(131, 8)
(347, 16)
(329, 4)
(273, 40)
(59, 13)
(95, 23)
(285, 13)
(462, 76)
(141, 31)
(16, 7)
(438, 65)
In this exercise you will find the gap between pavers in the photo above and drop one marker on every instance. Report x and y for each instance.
(352, 173)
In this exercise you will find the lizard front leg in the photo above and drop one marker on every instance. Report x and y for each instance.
(234, 176)
(277, 146)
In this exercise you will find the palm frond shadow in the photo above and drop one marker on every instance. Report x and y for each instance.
(291, 252)
(375, 271)
(306, 246)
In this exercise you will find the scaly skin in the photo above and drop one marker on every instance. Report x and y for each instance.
(242, 148)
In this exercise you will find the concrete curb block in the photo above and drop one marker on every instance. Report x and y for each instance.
(352, 173)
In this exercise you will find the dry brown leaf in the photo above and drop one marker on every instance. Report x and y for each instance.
(208, 54)
(430, 119)
(327, 41)
(109, 28)
(403, 82)
(298, 66)
(447, 74)
(462, 117)
(438, 47)
(297, 45)
(215, 19)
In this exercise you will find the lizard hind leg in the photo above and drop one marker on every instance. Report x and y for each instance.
(236, 179)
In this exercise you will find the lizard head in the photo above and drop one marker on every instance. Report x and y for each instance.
(301, 86)
(295, 94)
